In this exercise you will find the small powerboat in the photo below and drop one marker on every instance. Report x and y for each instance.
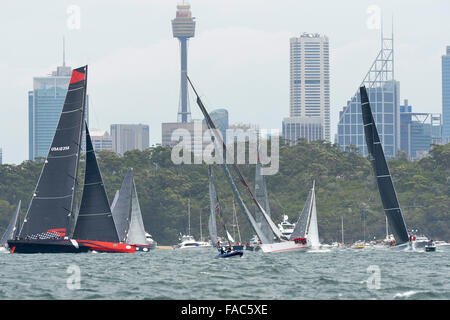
(230, 254)
(430, 247)
(225, 253)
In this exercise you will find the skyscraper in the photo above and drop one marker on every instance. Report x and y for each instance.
(101, 140)
(1, 156)
(45, 103)
(310, 82)
(220, 119)
(183, 27)
(446, 95)
(418, 130)
(384, 93)
(129, 137)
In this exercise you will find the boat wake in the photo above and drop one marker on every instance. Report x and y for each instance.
(406, 294)
(318, 250)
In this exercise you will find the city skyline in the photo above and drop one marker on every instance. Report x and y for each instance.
(238, 58)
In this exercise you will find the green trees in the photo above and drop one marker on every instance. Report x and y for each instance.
(345, 187)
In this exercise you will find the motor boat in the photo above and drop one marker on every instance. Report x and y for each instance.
(430, 247)
(286, 227)
(188, 242)
(150, 241)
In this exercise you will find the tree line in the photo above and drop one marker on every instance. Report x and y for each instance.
(345, 189)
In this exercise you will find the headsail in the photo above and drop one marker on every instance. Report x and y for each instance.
(136, 231)
(51, 206)
(11, 230)
(113, 204)
(95, 221)
(313, 230)
(252, 221)
(382, 174)
(121, 211)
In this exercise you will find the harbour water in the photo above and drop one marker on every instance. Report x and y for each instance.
(194, 274)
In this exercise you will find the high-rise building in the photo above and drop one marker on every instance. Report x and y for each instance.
(129, 137)
(101, 140)
(1, 156)
(220, 119)
(418, 131)
(45, 103)
(383, 92)
(308, 128)
(446, 95)
(183, 27)
(195, 129)
(310, 81)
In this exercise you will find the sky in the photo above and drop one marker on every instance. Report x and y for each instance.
(238, 59)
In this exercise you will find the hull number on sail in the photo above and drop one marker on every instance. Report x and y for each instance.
(60, 148)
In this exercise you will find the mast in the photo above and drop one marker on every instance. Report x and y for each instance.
(189, 216)
(381, 171)
(342, 229)
(252, 221)
(201, 226)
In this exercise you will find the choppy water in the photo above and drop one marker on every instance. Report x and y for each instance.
(195, 274)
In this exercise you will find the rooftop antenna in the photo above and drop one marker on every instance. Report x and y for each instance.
(64, 51)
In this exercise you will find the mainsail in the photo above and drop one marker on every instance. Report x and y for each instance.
(50, 208)
(136, 231)
(95, 221)
(250, 218)
(382, 174)
(121, 210)
(12, 230)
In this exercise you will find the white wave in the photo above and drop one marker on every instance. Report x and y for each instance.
(406, 294)
(319, 250)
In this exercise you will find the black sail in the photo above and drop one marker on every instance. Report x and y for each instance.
(381, 171)
(95, 221)
(122, 209)
(49, 212)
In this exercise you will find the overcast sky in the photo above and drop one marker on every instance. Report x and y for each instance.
(239, 58)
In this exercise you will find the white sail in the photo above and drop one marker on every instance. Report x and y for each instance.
(230, 238)
(213, 206)
(313, 231)
(116, 196)
(136, 231)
